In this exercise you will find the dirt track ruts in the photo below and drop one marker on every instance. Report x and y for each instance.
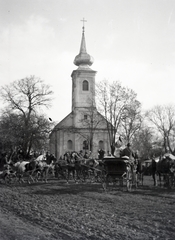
(84, 211)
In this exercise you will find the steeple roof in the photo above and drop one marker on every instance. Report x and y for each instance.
(83, 59)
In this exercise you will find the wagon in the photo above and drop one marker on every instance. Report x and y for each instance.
(115, 171)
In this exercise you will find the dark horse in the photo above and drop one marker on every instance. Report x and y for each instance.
(140, 172)
(165, 167)
(76, 167)
(69, 167)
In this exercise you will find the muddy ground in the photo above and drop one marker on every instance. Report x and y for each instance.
(56, 210)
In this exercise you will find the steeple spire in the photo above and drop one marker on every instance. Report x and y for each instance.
(83, 20)
(83, 59)
(83, 43)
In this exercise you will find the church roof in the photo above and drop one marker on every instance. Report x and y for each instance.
(83, 59)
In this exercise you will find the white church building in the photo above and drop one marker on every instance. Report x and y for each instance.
(84, 128)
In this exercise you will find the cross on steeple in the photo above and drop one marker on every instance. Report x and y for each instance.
(83, 23)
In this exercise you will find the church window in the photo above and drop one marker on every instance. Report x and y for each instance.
(69, 144)
(85, 85)
(85, 117)
(85, 145)
(101, 144)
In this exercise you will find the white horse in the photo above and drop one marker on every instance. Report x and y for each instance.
(43, 165)
(25, 168)
(41, 158)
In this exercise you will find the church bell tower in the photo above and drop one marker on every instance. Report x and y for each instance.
(83, 80)
(84, 128)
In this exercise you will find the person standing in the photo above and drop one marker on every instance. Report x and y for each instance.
(101, 154)
(154, 169)
(128, 152)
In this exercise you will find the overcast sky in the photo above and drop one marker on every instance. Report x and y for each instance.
(132, 41)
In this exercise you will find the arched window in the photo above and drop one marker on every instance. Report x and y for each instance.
(69, 144)
(85, 145)
(101, 144)
(85, 85)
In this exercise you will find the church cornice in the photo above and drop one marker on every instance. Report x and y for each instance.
(79, 71)
(77, 129)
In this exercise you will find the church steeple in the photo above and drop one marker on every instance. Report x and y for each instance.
(83, 59)
(83, 81)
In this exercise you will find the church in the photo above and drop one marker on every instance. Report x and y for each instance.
(84, 128)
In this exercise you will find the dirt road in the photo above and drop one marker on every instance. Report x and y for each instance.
(84, 211)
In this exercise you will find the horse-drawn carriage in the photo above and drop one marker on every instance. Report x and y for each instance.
(117, 170)
(108, 171)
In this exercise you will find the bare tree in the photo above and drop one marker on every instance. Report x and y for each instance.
(116, 104)
(143, 142)
(26, 97)
(10, 131)
(163, 118)
(132, 119)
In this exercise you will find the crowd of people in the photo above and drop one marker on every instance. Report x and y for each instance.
(17, 155)
(126, 152)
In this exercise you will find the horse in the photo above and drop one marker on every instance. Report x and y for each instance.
(22, 168)
(41, 157)
(134, 174)
(61, 168)
(73, 164)
(76, 167)
(163, 166)
(129, 176)
(93, 169)
(133, 167)
(166, 167)
(67, 166)
(7, 174)
(45, 163)
(140, 172)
